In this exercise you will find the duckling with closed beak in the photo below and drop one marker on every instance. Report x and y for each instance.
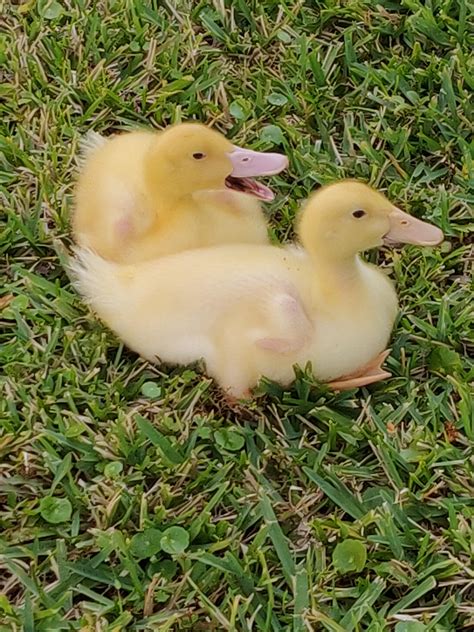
(253, 310)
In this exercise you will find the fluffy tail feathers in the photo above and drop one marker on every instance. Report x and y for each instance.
(88, 144)
(98, 281)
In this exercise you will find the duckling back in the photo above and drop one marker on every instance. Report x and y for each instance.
(111, 203)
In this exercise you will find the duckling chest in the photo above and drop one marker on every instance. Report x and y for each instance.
(353, 328)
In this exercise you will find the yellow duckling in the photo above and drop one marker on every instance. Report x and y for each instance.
(255, 310)
(143, 194)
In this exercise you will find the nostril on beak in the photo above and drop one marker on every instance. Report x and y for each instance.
(404, 222)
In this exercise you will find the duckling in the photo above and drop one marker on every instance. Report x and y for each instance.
(146, 194)
(252, 310)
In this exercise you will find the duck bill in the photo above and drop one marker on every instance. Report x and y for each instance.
(406, 229)
(250, 164)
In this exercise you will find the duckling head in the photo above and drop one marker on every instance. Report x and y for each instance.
(190, 157)
(347, 217)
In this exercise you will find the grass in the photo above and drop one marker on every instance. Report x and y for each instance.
(98, 446)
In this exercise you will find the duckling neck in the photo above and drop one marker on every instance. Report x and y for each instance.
(160, 190)
(336, 269)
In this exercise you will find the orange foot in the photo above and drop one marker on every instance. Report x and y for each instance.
(368, 374)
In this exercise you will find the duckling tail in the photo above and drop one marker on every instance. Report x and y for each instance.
(100, 282)
(88, 144)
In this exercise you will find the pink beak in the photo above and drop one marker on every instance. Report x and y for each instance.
(406, 229)
(248, 164)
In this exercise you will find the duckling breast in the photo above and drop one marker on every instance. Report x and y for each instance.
(350, 336)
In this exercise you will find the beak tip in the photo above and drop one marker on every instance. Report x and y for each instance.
(406, 229)
(438, 237)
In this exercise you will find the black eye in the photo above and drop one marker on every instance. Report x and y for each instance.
(199, 155)
(358, 214)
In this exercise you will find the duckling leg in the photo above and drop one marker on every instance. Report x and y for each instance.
(369, 374)
(235, 401)
(233, 375)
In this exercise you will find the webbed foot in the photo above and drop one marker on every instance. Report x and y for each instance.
(368, 374)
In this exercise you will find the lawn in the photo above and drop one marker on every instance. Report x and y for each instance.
(131, 496)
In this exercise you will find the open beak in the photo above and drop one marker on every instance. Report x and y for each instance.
(406, 229)
(247, 164)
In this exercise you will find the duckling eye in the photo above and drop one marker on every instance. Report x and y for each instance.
(199, 155)
(358, 214)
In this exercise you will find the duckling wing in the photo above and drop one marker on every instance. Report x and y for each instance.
(289, 326)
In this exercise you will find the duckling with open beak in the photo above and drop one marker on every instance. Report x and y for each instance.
(145, 194)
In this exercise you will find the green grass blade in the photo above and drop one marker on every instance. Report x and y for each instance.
(338, 493)
(414, 595)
